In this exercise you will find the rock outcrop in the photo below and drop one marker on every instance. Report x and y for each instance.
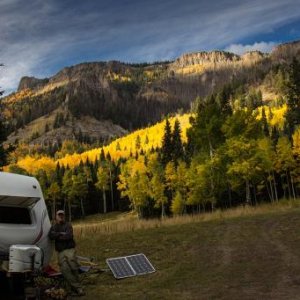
(31, 83)
(206, 58)
(285, 52)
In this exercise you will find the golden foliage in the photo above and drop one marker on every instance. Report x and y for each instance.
(125, 146)
(32, 165)
(277, 115)
(120, 148)
(118, 77)
(15, 97)
(50, 87)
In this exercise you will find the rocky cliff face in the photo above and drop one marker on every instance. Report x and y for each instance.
(31, 83)
(216, 60)
(286, 52)
(252, 57)
(206, 58)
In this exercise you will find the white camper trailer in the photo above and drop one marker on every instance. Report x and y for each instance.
(24, 224)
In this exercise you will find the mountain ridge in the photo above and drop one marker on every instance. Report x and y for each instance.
(132, 96)
(213, 56)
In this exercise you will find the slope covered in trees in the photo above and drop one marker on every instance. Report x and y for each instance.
(138, 142)
(231, 149)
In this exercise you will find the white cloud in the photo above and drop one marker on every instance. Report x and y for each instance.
(264, 47)
(24, 59)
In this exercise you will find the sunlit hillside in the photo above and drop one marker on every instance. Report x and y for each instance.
(123, 147)
(18, 96)
(143, 139)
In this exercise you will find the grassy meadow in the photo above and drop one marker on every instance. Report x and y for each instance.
(243, 253)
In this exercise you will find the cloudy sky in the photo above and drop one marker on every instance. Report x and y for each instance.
(39, 37)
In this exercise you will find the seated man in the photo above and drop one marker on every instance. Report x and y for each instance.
(62, 233)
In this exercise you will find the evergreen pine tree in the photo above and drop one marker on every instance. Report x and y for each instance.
(274, 135)
(223, 100)
(167, 144)
(108, 156)
(271, 115)
(102, 155)
(264, 122)
(58, 174)
(206, 132)
(81, 165)
(146, 140)
(177, 150)
(138, 142)
(293, 98)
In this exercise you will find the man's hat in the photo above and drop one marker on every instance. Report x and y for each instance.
(60, 212)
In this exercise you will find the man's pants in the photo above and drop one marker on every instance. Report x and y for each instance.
(68, 264)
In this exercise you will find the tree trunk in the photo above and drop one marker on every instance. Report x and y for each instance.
(53, 209)
(248, 195)
(254, 191)
(212, 184)
(104, 201)
(275, 187)
(111, 190)
(283, 187)
(288, 184)
(162, 210)
(268, 190)
(184, 209)
(211, 150)
(271, 187)
(139, 211)
(70, 211)
(82, 208)
(293, 188)
(229, 195)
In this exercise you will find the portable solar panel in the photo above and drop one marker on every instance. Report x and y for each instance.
(120, 267)
(140, 264)
(128, 266)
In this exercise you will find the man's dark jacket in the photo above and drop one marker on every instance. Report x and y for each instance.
(63, 236)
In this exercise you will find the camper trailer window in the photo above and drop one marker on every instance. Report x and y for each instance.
(14, 215)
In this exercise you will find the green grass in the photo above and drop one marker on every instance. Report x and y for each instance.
(100, 218)
(240, 254)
